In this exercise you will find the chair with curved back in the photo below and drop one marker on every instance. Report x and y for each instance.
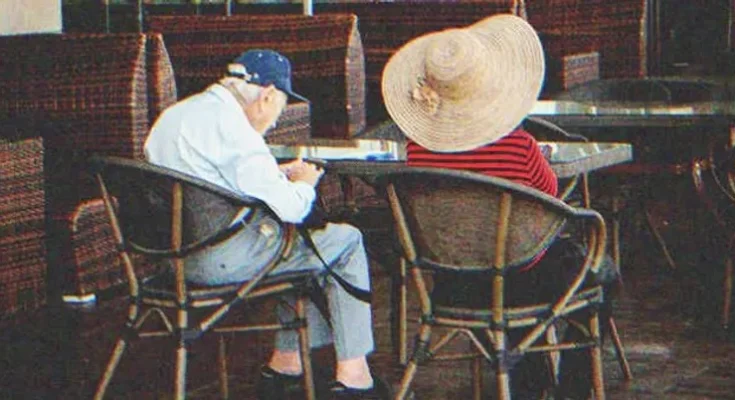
(167, 215)
(469, 223)
(714, 181)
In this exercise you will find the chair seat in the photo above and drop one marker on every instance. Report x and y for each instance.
(162, 286)
(518, 316)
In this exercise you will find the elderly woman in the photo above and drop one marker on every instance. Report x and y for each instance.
(460, 96)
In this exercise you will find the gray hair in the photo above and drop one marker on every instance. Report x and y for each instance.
(249, 91)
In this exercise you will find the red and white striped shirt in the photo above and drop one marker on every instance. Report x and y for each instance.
(515, 157)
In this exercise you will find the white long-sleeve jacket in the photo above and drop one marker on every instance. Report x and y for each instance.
(209, 136)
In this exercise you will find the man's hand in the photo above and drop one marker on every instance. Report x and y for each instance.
(286, 166)
(299, 170)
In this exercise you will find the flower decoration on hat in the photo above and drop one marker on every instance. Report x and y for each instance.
(426, 96)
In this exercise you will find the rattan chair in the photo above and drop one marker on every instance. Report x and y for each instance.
(714, 181)
(470, 223)
(168, 215)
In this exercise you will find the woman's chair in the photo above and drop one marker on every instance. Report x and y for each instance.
(166, 215)
(466, 223)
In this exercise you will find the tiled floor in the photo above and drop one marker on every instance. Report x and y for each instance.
(672, 337)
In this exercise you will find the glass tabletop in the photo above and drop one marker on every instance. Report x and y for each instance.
(363, 149)
(661, 101)
(568, 159)
(364, 157)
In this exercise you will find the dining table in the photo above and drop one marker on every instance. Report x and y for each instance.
(366, 159)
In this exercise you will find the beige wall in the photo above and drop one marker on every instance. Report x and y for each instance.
(30, 16)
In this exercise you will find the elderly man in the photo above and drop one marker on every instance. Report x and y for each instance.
(218, 135)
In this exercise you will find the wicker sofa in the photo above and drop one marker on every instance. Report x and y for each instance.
(93, 93)
(325, 51)
(22, 223)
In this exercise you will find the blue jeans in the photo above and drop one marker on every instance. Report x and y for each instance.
(341, 246)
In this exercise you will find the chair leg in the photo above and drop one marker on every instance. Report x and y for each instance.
(477, 377)
(112, 364)
(409, 372)
(598, 385)
(619, 350)
(222, 361)
(503, 384)
(402, 314)
(180, 383)
(727, 292)
(554, 356)
(305, 349)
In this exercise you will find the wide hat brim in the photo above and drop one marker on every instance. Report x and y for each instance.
(510, 54)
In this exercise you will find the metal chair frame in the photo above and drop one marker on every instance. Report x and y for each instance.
(714, 180)
(127, 186)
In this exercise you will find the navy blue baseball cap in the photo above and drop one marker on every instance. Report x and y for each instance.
(264, 67)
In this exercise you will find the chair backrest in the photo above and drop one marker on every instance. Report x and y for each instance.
(463, 221)
(544, 130)
(162, 212)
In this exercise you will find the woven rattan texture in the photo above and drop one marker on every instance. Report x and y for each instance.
(93, 90)
(325, 51)
(293, 125)
(22, 201)
(387, 26)
(91, 226)
(95, 84)
(161, 81)
(615, 29)
(454, 222)
(568, 71)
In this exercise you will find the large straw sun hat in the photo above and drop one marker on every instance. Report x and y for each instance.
(458, 89)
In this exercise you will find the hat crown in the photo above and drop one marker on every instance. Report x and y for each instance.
(458, 89)
(264, 67)
(453, 67)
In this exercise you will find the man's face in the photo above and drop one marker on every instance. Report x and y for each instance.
(273, 107)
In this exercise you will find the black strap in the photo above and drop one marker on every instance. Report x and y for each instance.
(354, 291)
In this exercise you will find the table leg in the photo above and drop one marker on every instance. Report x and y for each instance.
(399, 310)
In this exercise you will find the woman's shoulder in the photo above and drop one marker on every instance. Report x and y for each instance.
(520, 134)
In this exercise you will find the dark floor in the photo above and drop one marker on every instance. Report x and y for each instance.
(668, 320)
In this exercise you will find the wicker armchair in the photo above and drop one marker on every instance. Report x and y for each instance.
(89, 93)
(158, 213)
(473, 224)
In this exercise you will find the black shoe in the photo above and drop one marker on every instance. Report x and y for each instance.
(277, 386)
(379, 391)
